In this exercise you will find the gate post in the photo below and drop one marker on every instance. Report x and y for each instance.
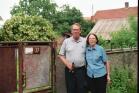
(20, 46)
(53, 56)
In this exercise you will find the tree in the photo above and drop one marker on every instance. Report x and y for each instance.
(43, 8)
(61, 19)
(86, 27)
(65, 18)
(27, 28)
(69, 15)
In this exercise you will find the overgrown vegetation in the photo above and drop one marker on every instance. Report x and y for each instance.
(125, 37)
(123, 80)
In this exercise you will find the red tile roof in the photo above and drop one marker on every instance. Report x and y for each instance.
(115, 13)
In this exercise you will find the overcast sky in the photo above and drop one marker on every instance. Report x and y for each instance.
(87, 7)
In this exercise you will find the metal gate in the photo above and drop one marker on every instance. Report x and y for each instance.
(8, 77)
(27, 67)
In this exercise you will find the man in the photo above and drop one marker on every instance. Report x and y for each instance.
(72, 54)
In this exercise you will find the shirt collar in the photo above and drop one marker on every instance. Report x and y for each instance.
(93, 48)
(79, 40)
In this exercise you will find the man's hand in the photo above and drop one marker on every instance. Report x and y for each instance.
(69, 66)
(65, 61)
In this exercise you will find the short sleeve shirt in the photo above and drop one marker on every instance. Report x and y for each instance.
(74, 51)
(95, 58)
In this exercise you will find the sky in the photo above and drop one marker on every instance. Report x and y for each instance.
(87, 7)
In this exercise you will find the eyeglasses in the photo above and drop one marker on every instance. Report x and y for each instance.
(75, 29)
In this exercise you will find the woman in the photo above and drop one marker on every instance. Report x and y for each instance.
(98, 70)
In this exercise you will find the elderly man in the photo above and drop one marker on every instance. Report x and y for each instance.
(72, 54)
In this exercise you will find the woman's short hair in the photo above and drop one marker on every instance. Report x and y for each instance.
(87, 40)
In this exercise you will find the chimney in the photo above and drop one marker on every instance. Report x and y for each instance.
(126, 4)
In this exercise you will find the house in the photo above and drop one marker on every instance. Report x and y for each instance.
(115, 13)
(111, 20)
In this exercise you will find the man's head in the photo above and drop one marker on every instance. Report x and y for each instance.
(76, 30)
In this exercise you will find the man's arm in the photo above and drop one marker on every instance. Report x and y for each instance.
(62, 54)
(65, 62)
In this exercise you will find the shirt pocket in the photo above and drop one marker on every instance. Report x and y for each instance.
(82, 49)
(89, 55)
(98, 58)
(69, 48)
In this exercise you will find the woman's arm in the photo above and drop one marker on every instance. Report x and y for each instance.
(107, 64)
(108, 71)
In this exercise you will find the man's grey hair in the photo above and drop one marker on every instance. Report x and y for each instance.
(77, 24)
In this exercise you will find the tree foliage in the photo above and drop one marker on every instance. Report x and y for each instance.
(86, 27)
(67, 16)
(27, 28)
(43, 8)
(61, 19)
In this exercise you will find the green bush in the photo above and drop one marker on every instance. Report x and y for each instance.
(27, 28)
(123, 80)
(126, 37)
(104, 43)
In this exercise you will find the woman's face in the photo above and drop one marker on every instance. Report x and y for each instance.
(92, 40)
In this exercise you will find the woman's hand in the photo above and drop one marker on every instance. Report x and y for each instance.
(108, 79)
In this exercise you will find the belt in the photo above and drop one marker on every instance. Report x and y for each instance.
(78, 68)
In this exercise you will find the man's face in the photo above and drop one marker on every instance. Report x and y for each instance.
(75, 32)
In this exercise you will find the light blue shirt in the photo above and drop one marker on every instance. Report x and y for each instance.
(95, 57)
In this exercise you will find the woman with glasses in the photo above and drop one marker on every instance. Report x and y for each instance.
(98, 68)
